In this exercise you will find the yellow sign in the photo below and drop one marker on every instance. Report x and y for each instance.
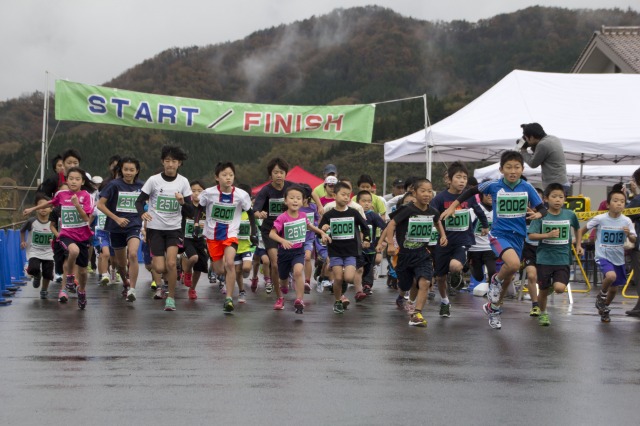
(578, 204)
(589, 215)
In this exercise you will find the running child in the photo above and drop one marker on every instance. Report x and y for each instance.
(530, 262)
(167, 194)
(118, 202)
(553, 256)
(412, 226)
(39, 250)
(511, 197)
(612, 229)
(345, 246)
(311, 210)
(370, 257)
(195, 259)
(480, 254)
(244, 254)
(458, 229)
(289, 231)
(224, 204)
(76, 206)
(260, 257)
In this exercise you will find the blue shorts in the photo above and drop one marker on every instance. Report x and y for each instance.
(621, 273)
(502, 242)
(119, 240)
(247, 256)
(287, 259)
(443, 255)
(342, 261)
(321, 251)
(260, 252)
(101, 240)
(308, 244)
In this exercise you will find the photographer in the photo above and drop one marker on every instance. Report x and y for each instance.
(547, 153)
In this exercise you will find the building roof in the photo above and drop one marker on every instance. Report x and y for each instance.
(619, 46)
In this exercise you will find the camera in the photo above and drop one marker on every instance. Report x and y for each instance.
(521, 143)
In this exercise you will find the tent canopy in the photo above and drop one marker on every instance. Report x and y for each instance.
(594, 115)
(591, 175)
(297, 175)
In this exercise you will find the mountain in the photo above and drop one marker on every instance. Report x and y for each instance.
(357, 55)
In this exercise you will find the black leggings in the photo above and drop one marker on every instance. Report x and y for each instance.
(477, 259)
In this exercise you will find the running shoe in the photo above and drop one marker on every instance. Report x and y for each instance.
(543, 319)
(164, 290)
(307, 288)
(400, 301)
(192, 294)
(338, 308)
(417, 320)
(495, 320)
(36, 280)
(360, 296)
(345, 301)
(284, 288)
(70, 286)
(154, 285)
(82, 299)
(170, 304)
(131, 295)
(268, 287)
(534, 312)
(445, 310)
(125, 291)
(600, 304)
(222, 287)
(104, 280)
(254, 284)
(410, 307)
(43, 294)
(242, 297)
(159, 294)
(58, 278)
(187, 279)
(228, 307)
(431, 295)
(212, 277)
(367, 289)
(299, 305)
(62, 296)
(455, 281)
(279, 305)
(319, 286)
(118, 278)
(604, 316)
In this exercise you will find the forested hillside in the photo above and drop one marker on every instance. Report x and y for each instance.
(357, 55)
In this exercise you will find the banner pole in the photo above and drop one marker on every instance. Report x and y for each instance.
(384, 179)
(427, 148)
(45, 114)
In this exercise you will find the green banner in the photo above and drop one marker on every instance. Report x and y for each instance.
(96, 104)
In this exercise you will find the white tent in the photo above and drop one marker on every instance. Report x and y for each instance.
(595, 115)
(591, 175)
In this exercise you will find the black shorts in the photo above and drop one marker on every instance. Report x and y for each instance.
(160, 240)
(549, 274)
(197, 247)
(268, 242)
(413, 264)
(37, 265)
(287, 259)
(444, 255)
(529, 254)
(119, 240)
(478, 259)
(83, 256)
(360, 261)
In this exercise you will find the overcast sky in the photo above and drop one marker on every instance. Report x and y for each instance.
(93, 41)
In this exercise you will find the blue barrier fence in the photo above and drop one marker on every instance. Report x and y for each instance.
(12, 260)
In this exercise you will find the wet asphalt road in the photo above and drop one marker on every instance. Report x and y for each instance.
(123, 363)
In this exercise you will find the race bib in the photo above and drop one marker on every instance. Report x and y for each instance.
(564, 226)
(611, 236)
(189, 226)
(71, 218)
(342, 228)
(512, 204)
(167, 205)
(435, 236)
(420, 229)
(127, 202)
(296, 231)
(223, 213)
(311, 217)
(245, 230)
(276, 206)
(41, 239)
(102, 219)
(477, 231)
(459, 221)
